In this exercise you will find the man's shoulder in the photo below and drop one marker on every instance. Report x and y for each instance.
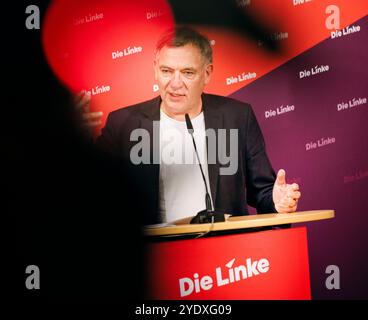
(227, 104)
(137, 109)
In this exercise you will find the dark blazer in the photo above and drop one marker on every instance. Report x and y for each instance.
(253, 181)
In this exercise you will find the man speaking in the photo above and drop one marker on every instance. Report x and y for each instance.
(173, 182)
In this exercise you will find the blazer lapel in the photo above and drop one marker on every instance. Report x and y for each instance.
(150, 121)
(151, 114)
(213, 120)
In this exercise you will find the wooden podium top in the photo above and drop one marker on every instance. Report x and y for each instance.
(183, 227)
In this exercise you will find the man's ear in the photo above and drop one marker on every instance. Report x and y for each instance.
(155, 65)
(155, 68)
(208, 74)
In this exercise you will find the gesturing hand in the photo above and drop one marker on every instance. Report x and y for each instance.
(285, 196)
(90, 119)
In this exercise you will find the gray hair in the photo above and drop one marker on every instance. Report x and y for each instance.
(181, 36)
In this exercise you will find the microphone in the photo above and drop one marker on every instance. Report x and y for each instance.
(208, 215)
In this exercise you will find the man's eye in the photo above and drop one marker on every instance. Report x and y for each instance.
(189, 73)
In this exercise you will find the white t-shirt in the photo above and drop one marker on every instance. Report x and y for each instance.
(182, 190)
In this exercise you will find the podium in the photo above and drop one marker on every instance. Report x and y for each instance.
(245, 257)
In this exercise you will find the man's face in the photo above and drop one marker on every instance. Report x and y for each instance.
(181, 73)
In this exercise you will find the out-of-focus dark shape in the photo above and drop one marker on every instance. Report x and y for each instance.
(76, 211)
(224, 13)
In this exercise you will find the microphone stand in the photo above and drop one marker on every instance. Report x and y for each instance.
(207, 215)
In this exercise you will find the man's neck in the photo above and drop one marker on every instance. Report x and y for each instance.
(193, 112)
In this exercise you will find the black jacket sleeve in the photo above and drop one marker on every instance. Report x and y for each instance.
(260, 176)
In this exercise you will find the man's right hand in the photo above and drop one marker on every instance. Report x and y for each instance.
(90, 119)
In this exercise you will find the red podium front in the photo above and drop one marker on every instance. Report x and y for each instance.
(258, 265)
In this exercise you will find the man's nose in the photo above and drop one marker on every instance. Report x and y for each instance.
(176, 81)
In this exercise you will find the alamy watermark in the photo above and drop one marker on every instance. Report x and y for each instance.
(33, 18)
(174, 146)
(33, 277)
(333, 280)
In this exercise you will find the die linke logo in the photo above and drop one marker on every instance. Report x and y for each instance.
(153, 14)
(313, 71)
(88, 18)
(97, 90)
(346, 31)
(240, 77)
(298, 2)
(224, 277)
(126, 52)
(279, 110)
(351, 103)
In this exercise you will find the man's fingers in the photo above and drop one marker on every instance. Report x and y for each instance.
(90, 119)
(297, 195)
(92, 124)
(287, 209)
(289, 202)
(79, 97)
(292, 209)
(294, 194)
(295, 186)
(292, 203)
(92, 115)
(82, 100)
